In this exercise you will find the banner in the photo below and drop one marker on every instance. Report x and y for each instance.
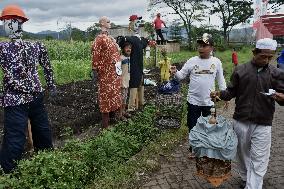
(257, 13)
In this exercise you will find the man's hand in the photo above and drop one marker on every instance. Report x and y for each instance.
(173, 70)
(278, 97)
(215, 95)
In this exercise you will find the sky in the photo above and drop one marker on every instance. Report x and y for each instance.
(55, 14)
(45, 14)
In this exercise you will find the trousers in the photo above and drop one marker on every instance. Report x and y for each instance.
(15, 127)
(254, 142)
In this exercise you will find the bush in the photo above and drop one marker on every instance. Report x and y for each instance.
(77, 164)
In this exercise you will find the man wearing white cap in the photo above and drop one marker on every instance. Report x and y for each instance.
(256, 86)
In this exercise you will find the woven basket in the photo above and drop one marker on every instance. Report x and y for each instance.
(169, 111)
(213, 170)
(173, 100)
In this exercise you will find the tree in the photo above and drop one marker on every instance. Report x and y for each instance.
(274, 5)
(78, 35)
(188, 11)
(149, 28)
(93, 31)
(231, 13)
(175, 30)
(48, 37)
(114, 26)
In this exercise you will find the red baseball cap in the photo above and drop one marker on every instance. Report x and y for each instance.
(134, 17)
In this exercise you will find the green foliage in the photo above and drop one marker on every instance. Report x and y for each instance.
(175, 29)
(54, 169)
(275, 5)
(62, 50)
(93, 31)
(149, 28)
(188, 11)
(182, 56)
(48, 37)
(231, 13)
(78, 35)
(79, 163)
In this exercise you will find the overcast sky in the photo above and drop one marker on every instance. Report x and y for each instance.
(45, 14)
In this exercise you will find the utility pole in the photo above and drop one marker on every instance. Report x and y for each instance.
(58, 29)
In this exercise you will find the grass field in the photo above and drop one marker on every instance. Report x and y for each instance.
(71, 60)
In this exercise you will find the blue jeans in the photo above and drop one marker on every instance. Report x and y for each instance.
(15, 127)
(194, 112)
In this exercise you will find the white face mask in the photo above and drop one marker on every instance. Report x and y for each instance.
(13, 28)
(136, 27)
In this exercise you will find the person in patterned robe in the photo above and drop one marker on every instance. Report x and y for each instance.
(107, 67)
(22, 96)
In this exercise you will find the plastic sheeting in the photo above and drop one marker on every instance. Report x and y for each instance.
(217, 141)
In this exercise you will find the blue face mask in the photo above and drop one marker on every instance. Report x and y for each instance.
(13, 28)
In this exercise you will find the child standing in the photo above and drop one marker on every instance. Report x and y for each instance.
(125, 65)
(235, 57)
(165, 66)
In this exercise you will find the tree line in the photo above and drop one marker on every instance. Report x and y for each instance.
(230, 12)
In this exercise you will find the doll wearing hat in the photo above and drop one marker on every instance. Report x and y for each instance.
(136, 82)
(22, 96)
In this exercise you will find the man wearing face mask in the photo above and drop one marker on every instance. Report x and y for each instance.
(136, 83)
(107, 67)
(22, 96)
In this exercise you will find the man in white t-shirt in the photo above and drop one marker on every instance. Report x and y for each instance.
(203, 71)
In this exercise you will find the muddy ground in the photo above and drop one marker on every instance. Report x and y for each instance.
(75, 108)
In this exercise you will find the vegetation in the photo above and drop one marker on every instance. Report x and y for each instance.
(118, 155)
(79, 163)
(231, 13)
(188, 11)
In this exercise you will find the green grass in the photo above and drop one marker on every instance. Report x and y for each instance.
(69, 71)
(244, 55)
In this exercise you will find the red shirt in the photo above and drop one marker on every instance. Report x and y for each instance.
(235, 58)
(158, 23)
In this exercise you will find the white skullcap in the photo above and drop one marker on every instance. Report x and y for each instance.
(266, 43)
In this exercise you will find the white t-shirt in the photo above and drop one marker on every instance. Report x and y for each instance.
(203, 73)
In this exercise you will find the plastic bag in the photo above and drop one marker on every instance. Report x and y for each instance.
(172, 86)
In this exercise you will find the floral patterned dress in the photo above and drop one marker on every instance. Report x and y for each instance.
(105, 55)
(19, 61)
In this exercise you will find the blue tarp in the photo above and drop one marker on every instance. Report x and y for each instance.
(214, 141)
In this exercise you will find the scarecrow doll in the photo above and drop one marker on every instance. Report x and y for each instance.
(22, 96)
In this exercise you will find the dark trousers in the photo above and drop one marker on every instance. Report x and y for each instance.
(15, 127)
(194, 112)
(159, 33)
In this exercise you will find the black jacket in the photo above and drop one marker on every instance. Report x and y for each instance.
(247, 83)
(136, 58)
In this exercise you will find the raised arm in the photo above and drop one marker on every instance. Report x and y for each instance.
(185, 70)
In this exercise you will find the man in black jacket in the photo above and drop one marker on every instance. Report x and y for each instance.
(256, 86)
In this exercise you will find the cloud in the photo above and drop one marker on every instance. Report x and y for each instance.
(43, 13)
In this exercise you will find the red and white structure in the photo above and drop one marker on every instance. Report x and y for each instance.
(267, 25)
